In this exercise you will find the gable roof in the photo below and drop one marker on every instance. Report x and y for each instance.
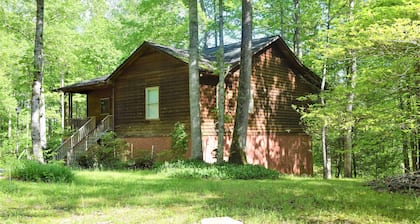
(206, 63)
(232, 52)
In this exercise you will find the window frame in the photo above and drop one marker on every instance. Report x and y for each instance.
(147, 104)
(108, 111)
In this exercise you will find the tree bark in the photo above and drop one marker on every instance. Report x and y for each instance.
(348, 138)
(326, 155)
(406, 156)
(296, 35)
(351, 81)
(237, 149)
(215, 19)
(206, 32)
(221, 90)
(282, 26)
(37, 83)
(43, 121)
(194, 84)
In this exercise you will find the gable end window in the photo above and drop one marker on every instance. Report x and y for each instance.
(105, 105)
(152, 103)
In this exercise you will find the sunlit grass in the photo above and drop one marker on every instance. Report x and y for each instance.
(147, 197)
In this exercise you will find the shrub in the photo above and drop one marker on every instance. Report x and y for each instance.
(179, 145)
(109, 153)
(143, 161)
(28, 170)
(201, 170)
(179, 141)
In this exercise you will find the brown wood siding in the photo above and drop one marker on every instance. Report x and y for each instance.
(208, 104)
(151, 69)
(94, 101)
(276, 86)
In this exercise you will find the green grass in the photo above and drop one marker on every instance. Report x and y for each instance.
(147, 197)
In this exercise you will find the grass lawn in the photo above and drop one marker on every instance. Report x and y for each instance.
(145, 197)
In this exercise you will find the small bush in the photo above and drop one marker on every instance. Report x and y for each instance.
(109, 153)
(33, 171)
(144, 160)
(179, 141)
(201, 170)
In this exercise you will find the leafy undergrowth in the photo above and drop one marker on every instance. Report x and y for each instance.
(201, 170)
(408, 183)
(28, 170)
(148, 197)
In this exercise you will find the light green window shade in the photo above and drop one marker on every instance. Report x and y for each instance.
(152, 103)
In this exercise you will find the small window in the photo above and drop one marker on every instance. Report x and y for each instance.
(105, 105)
(152, 103)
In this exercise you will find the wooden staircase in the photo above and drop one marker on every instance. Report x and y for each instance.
(84, 138)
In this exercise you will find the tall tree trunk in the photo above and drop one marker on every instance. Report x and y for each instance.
(43, 121)
(351, 82)
(282, 15)
(221, 90)
(354, 165)
(296, 35)
(237, 149)
(338, 165)
(37, 83)
(406, 158)
(215, 19)
(405, 141)
(348, 138)
(326, 155)
(194, 84)
(206, 32)
(418, 153)
(417, 129)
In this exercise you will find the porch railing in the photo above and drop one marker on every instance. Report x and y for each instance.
(74, 139)
(75, 123)
(89, 139)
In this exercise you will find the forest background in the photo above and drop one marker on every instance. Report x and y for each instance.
(367, 52)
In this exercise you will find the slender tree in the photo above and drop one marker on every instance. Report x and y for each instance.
(206, 31)
(296, 34)
(351, 82)
(194, 84)
(37, 83)
(221, 89)
(326, 155)
(237, 149)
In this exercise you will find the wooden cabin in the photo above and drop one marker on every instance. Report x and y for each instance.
(148, 93)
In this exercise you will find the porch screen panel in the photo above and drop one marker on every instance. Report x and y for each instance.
(152, 103)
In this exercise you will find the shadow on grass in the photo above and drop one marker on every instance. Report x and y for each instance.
(295, 199)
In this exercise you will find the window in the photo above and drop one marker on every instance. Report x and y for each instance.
(152, 103)
(105, 105)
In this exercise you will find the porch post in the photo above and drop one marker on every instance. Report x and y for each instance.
(113, 107)
(63, 105)
(70, 116)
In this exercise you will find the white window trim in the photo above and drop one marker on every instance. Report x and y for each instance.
(147, 115)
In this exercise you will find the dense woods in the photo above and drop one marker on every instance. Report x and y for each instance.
(364, 123)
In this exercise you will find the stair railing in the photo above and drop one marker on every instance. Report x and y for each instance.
(67, 146)
(90, 139)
